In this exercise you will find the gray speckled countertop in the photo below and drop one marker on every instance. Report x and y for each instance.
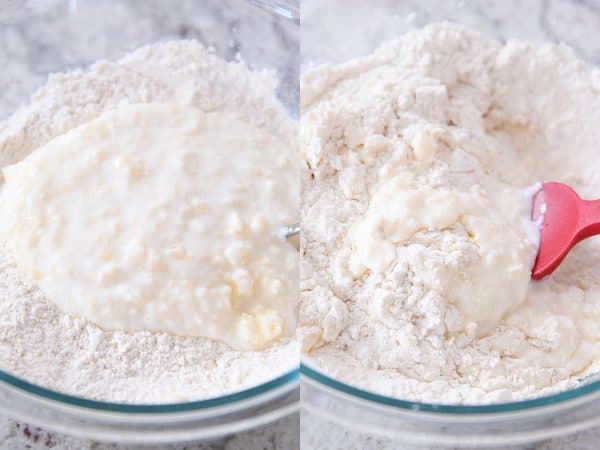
(574, 22)
(283, 434)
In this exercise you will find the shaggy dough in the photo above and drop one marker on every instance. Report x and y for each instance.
(483, 288)
(159, 217)
(417, 244)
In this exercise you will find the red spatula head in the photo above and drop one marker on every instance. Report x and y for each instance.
(565, 220)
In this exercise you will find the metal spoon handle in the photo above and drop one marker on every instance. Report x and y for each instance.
(292, 230)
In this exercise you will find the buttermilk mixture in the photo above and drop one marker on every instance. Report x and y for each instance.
(141, 203)
(417, 241)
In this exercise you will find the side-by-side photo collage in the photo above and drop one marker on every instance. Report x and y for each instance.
(299, 224)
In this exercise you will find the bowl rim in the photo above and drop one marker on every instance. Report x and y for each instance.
(290, 377)
(563, 397)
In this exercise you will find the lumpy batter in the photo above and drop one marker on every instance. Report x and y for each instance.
(418, 246)
(159, 217)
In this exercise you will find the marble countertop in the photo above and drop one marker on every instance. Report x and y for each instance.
(283, 434)
(317, 434)
(343, 24)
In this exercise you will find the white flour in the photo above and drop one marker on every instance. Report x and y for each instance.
(445, 109)
(45, 346)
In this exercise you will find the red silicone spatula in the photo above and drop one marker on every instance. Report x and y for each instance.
(567, 219)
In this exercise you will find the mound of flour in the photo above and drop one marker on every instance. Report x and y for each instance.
(444, 110)
(44, 346)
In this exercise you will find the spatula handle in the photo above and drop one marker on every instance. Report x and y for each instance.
(590, 219)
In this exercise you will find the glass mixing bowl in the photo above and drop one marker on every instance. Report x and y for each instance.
(39, 37)
(351, 416)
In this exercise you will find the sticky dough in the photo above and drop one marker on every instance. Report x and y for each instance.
(496, 221)
(417, 243)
